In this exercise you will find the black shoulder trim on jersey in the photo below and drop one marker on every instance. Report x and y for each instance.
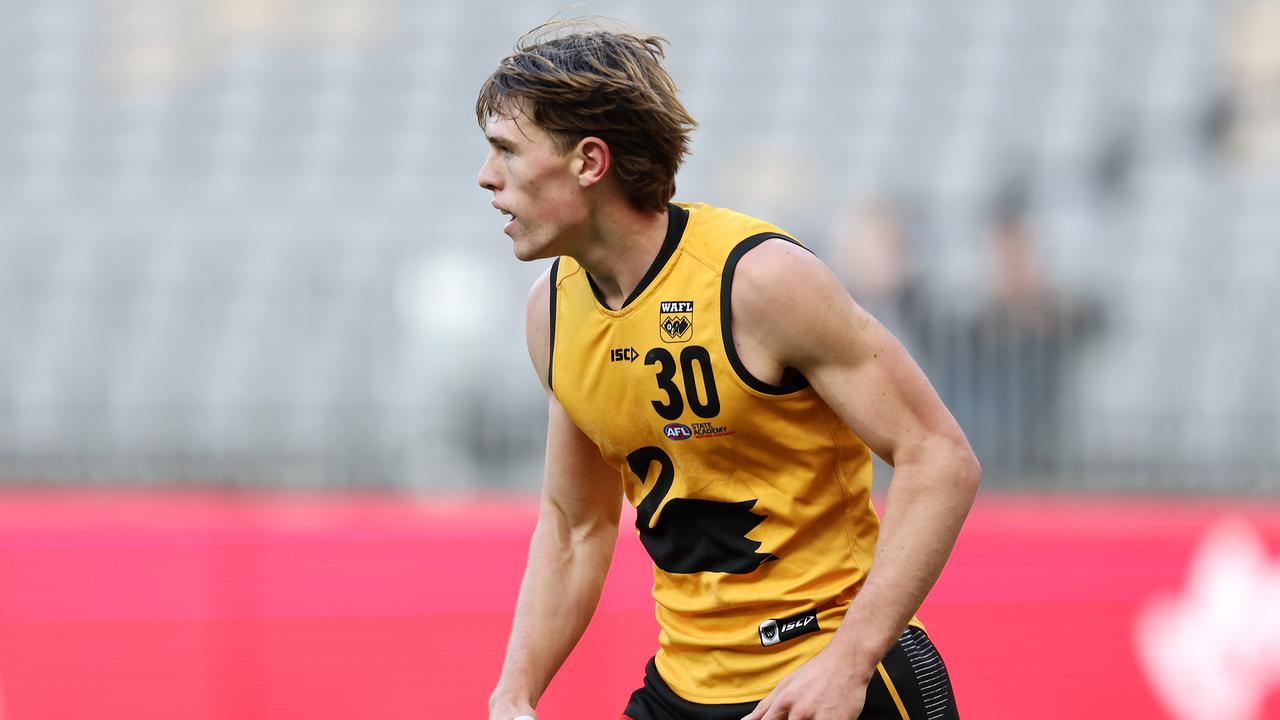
(677, 220)
(551, 345)
(792, 379)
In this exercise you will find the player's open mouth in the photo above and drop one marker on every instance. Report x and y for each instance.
(511, 218)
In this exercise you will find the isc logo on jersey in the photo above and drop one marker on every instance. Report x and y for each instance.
(677, 431)
(780, 630)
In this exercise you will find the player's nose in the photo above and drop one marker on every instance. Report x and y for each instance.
(488, 178)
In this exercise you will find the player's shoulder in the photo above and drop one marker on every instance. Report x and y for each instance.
(786, 297)
(723, 221)
(540, 291)
(721, 237)
(539, 320)
(762, 263)
(777, 267)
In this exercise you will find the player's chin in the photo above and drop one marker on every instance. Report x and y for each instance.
(530, 251)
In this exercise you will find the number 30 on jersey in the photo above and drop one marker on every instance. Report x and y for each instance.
(694, 366)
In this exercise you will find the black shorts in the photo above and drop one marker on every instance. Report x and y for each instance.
(911, 683)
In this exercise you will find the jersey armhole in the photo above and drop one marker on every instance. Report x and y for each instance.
(551, 344)
(792, 379)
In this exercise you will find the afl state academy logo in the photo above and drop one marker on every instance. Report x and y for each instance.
(675, 321)
(677, 431)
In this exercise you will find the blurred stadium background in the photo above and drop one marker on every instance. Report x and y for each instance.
(269, 439)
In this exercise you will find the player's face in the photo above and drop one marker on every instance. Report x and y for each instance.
(535, 185)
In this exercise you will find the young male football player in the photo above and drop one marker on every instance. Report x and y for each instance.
(703, 364)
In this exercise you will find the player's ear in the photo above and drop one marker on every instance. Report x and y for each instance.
(593, 160)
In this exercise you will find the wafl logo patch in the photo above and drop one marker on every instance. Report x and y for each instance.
(675, 321)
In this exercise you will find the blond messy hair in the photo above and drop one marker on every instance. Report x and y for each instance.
(576, 80)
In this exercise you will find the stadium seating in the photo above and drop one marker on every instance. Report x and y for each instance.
(236, 250)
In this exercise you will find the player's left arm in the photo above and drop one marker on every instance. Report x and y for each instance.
(789, 310)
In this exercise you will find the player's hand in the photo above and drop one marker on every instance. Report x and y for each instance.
(506, 710)
(825, 688)
(515, 713)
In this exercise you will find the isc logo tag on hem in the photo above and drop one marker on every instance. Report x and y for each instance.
(779, 630)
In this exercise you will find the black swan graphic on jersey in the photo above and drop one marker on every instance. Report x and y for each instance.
(693, 535)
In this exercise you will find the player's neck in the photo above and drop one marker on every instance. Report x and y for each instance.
(621, 245)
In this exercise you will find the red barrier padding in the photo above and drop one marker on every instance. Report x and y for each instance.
(276, 606)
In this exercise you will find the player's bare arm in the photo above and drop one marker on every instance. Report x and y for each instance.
(571, 548)
(789, 310)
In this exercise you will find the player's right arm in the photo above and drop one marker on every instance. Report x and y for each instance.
(572, 545)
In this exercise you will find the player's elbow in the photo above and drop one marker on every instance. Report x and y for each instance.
(967, 471)
(577, 527)
(953, 465)
(942, 463)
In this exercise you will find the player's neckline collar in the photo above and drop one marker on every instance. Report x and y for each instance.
(677, 220)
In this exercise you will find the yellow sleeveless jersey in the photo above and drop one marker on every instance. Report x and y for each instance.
(753, 499)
